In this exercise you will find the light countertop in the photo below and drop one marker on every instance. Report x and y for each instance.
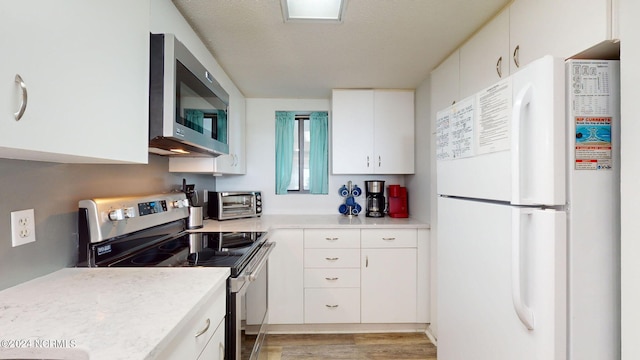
(267, 222)
(111, 313)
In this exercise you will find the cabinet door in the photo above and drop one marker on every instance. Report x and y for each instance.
(86, 68)
(388, 285)
(394, 134)
(484, 59)
(234, 162)
(560, 28)
(445, 85)
(286, 277)
(352, 131)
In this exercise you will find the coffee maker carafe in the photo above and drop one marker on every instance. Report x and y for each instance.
(375, 198)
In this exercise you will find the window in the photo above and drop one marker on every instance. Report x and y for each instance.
(301, 152)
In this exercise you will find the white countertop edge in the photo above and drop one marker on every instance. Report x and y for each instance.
(271, 222)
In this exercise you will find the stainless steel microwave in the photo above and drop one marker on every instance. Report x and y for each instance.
(187, 106)
(234, 204)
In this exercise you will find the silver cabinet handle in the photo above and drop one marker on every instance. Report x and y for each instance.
(331, 306)
(23, 103)
(332, 259)
(331, 279)
(331, 238)
(379, 161)
(366, 261)
(367, 161)
(388, 238)
(499, 67)
(205, 328)
(516, 56)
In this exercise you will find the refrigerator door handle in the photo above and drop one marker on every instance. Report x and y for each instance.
(521, 101)
(524, 312)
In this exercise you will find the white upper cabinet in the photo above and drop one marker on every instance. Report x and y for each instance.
(235, 162)
(373, 131)
(560, 28)
(484, 59)
(85, 66)
(445, 84)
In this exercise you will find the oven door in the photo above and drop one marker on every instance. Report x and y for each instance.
(248, 311)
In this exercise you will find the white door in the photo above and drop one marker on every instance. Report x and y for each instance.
(481, 283)
(507, 145)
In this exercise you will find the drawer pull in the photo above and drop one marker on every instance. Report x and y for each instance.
(332, 259)
(205, 328)
(331, 306)
(332, 278)
(389, 238)
(332, 238)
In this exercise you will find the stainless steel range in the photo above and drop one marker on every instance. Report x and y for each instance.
(151, 231)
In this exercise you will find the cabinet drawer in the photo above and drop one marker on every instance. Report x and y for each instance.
(332, 258)
(331, 306)
(205, 321)
(331, 278)
(331, 238)
(389, 238)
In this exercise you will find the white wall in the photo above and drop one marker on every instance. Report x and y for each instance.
(630, 192)
(419, 184)
(260, 175)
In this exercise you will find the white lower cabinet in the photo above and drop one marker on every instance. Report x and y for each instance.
(349, 276)
(201, 333)
(286, 273)
(388, 286)
(331, 305)
(215, 347)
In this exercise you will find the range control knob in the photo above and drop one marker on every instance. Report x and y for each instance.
(129, 212)
(116, 215)
(259, 209)
(179, 203)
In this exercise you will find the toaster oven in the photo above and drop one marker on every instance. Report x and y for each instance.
(234, 204)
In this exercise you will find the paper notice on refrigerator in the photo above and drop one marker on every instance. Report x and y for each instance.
(494, 112)
(443, 145)
(591, 104)
(462, 129)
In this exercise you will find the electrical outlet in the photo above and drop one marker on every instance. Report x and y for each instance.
(23, 227)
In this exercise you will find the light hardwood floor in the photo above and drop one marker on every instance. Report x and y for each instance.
(383, 346)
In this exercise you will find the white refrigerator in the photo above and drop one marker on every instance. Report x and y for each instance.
(528, 216)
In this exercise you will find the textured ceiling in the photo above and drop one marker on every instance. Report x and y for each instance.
(380, 44)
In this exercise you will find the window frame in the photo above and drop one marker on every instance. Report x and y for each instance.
(300, 118)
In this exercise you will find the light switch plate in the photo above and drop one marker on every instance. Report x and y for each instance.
(23, 227)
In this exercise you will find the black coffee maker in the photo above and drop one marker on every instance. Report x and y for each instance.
(375, 198)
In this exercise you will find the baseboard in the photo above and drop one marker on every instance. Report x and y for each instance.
(430, 335)
(343, 328)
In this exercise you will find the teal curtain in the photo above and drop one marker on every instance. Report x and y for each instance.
(284, 149)
(318, 153)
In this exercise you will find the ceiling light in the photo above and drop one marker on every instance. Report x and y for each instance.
(313, 10)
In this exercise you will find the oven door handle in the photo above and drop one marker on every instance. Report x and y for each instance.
(252, 274)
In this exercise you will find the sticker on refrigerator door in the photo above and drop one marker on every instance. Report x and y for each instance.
(593, 143)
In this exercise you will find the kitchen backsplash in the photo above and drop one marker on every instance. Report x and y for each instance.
(53, 191)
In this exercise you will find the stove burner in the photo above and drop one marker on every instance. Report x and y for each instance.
(171, 245)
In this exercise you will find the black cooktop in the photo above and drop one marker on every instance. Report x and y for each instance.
(219, 249)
